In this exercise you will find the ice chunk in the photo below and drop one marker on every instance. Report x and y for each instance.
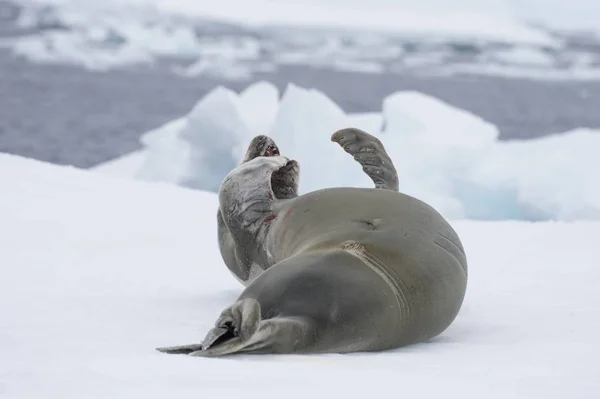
(71, 48)
(524, 56)
(572, 73)
(259, 106)
(436, 123)
(444, 156)
(555, 177)
(218, 137)
(198, 150)
(434, 145)
(167, 157)
(371, 122)
(226, 58)
(216, 68)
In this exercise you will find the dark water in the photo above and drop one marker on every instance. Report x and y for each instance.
(68, 115)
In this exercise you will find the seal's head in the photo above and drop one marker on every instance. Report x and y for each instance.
(249, 194)
(261, 146)
(284, 182)
(249, 199)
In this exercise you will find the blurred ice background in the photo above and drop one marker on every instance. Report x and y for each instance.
(487, 107)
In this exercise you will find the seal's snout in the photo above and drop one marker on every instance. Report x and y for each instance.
(261, 146)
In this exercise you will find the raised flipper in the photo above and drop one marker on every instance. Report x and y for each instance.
(370, 153)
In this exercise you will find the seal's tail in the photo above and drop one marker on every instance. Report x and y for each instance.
(240, 329)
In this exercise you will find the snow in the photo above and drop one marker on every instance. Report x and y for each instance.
(524, 56)
(98, 271)
(407, 18)
(238, 40)
(574, 74)
(123, 166)
(445, 156)
(68, 48)
(559, 14)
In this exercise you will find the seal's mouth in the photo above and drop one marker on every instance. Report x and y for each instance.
(284, 181)
(271, 151)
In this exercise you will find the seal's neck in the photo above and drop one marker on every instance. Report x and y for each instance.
(246, 207)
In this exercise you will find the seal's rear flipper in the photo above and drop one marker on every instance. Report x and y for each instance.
(240, 329)
(180, 350)
(215, 336)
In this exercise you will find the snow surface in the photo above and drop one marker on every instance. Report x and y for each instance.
(445, 156)
(97, 272)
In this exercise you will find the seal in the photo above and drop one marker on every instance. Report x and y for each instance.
(342, 269)
(240, 256)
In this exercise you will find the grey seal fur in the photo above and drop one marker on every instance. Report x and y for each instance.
(342, 269)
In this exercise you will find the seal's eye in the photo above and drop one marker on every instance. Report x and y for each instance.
(271, 151)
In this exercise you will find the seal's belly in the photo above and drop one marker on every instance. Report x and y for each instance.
(405, 241)
(373, 217)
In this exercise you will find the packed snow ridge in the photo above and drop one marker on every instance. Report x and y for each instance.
(98, 271)
(445, 156)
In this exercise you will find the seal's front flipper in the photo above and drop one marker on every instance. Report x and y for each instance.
(370, 153)
(180, 350)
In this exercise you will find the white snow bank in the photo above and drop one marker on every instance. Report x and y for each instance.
(524, 56)
(543, 73)
(123, 166)
(413, 19)
(237, 39)
(444, 155)
(485, 17)
(579, 15)
(75, 49)
(97, 272)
